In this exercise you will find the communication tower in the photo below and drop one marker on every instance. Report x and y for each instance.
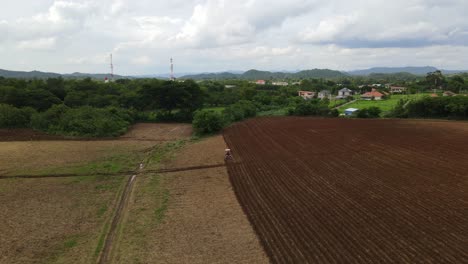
(172, 70)
(112, 68)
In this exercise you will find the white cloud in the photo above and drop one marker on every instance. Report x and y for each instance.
(142, 60)
(216, 35)
(38, 44)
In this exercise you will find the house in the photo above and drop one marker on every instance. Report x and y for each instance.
(350, 111)
(260, 82)
(306, 94)
(397, 89)
(373, 95)
(324, 94)
(280, 83)
(449, 93)
(344, 93)
(229, 86)
(434, 95)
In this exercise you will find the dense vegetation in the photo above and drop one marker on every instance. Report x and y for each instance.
(455, 107)
(96, 109)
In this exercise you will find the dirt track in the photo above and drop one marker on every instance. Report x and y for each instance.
(354, 191)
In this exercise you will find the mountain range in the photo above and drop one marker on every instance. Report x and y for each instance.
(248, 75)
(412, 70)
(45, 75)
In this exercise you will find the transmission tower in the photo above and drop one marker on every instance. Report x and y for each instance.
(172, 70)
(112, 68)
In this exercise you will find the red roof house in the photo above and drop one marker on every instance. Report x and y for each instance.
(374, 94)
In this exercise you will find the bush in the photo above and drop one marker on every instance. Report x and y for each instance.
(84, 121)
(208, 122)
(49, 121)
(240, 110)
(455, 107)
(12, 117)
(371, 112)
(312, 107)
(398, 111)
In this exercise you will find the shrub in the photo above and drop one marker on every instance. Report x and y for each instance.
(398, 111)
(207, 122)
(84, 121)
(12, 117)
(95, 122)
(312, 107)
(439, 107)
(371, 112)
(49, 121)
(240, 110)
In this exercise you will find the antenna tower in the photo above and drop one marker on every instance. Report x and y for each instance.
(112, 67)
(172, 70)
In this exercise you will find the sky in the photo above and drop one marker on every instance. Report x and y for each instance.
(68, 36)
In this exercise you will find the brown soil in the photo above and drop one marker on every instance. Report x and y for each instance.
(200, 221)
(24, 134)
(140, 131)
(159, 132)
(54, 220)
(354, 191)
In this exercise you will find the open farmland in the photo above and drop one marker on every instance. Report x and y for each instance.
(152, 196)
(50, 219)
(347, 191)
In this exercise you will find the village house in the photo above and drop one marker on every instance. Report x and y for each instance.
(324, 94)
(306, 94)
(344, 93)
(260, 82)
(397, 89)
(373, 95)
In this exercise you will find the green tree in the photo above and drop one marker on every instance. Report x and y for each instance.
(207, 122)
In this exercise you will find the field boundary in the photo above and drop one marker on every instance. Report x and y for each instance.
(125, 174)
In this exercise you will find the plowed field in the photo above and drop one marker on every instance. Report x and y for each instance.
(354, 191)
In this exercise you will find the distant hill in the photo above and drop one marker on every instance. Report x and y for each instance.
(211, 76)
(28, 75)
(45, 75)
(267, 75)
(395, 70)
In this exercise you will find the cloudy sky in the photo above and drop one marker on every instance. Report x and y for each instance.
(216, 35)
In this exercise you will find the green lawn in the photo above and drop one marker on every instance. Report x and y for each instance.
(384, 105)
(335, 103)
(274, 112)
(216, 109)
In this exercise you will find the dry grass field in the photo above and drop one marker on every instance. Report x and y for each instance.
(188, 216)
(55, 220)
(64, 220)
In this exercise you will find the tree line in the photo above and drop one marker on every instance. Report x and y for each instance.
(91, 108)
